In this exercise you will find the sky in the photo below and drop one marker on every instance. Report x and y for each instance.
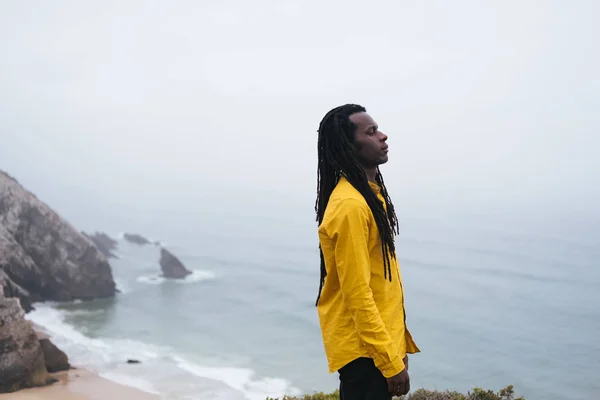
(490, 107)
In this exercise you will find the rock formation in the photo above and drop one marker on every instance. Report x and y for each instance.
(54, 358)
(136, 239)
(171, 266)
(10, 289)
(21, 358)
(104, 243)
(42, 256)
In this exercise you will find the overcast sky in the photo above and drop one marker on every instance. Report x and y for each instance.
(488, 105)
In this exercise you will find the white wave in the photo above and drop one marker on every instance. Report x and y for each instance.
(53, 322)
(122, 286)
(84, 312)
(87, 351)
(241, 379)
(194, 277)
(270, 387)
(151, 279)
(198, 276)
(109, 356)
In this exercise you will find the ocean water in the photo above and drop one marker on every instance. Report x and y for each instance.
(488, 308)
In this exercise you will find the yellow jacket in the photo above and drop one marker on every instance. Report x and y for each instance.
(360, 312)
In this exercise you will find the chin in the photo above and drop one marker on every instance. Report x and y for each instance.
(383, 160)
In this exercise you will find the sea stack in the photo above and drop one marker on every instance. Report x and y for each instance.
(171, 266)
(136, 239)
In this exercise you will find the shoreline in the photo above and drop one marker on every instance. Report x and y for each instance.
(80, 384)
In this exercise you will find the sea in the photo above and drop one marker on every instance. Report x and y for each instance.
(489, 306)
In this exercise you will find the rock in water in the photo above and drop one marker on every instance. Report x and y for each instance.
(136, 239)
(42, 255)
(171, 266)
(55, 359)
(21, 357)
(104, 243)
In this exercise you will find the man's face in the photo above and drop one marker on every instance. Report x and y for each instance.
(371, 149)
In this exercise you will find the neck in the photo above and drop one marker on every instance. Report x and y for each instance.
(371, 174)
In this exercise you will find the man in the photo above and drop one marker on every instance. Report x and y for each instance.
(360, 302)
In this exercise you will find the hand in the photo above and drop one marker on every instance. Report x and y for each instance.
(399, 385)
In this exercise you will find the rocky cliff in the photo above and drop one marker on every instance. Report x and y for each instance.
(104, 243)
(42, 256)
(22, 361)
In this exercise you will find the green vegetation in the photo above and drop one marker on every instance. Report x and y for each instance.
(507, 393)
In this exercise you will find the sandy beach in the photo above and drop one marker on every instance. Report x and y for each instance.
(80, 384)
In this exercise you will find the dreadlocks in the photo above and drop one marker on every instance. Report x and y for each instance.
(337, 158)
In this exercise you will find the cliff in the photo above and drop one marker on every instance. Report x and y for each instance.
(22, 362)
(42, 256)
(104, 243)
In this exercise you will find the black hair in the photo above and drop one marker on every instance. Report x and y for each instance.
(337, 158)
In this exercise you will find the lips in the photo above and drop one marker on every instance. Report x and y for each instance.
(385, 149)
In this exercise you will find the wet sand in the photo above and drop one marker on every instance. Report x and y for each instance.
(80, 384)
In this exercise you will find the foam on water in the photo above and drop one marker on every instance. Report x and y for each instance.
(83, 313)
(86, 350)
(194, 277)
(241, 379)
(108, 357)
(198, 276)
(53, 322)
(151, 279)
(101, 355)
(122, 286)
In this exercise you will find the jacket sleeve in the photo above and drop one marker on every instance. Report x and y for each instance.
(350, 228)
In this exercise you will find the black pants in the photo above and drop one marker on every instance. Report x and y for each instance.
(361, 380)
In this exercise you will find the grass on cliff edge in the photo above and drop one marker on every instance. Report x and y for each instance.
(477, 394)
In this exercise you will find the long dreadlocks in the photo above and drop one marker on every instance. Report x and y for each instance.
(337, 158)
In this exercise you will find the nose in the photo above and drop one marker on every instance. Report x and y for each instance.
(383, 136)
